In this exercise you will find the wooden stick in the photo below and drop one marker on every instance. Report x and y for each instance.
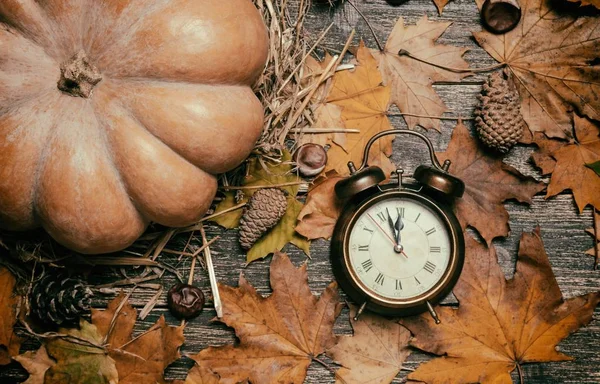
(211, 275)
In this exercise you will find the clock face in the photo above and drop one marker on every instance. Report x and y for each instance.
(399, 267)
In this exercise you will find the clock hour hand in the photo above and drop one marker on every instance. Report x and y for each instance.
(398, 226)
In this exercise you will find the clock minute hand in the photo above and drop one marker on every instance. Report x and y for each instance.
(392, 227)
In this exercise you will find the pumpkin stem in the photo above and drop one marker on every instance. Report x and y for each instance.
(78, 77)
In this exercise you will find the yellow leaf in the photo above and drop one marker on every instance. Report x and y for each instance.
(365, 103)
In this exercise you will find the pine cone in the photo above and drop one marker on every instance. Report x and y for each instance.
(60, 299)
(265, 208)
(498, 119)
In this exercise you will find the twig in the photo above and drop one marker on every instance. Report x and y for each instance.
(404, 52)
(151, 303)
(324, 130)
(217, 214)
(69, 338)
(247, 187)
(379, 45)
(212, 277)
(596, 220)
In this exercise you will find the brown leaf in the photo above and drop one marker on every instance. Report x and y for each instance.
(36, 363)
(595, 232)
(322, 208)
(374, 354)
(499, 323)
(542, 157)
(9, 342)
(583, 3)
(142, 359)
(364, 102)
(551, 55)
(279, 335)
(440, 4)
(570, 171)
(411, 80)
(488, 183)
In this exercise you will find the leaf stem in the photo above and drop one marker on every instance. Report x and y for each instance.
(404, 52)
(432, 117)
(379, 45)
(324, 364)
(595, 213)
(520, 370)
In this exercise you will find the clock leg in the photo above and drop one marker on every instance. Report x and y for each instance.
(360, 310)
(433, 313)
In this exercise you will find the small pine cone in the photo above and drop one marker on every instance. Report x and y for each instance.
(60, 300)
(498, 120)
(265, 208)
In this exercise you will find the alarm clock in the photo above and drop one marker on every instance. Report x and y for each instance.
(397, 248)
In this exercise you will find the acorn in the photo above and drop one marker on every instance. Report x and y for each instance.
(500, 16)
(310, 159)
(185, 301)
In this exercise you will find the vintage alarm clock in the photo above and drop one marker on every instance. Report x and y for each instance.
(397, 248)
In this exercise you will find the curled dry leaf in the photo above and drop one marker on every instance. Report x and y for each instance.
(411, 80)
(374, 354)
(499, 324)
(282, 233)
(36, 363)
(141, 359)
(554, 59)
(364, 102)
(279, 335)
(9, 342)
(488, 183)
(322, 208)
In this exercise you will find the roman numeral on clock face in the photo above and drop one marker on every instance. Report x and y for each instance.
(379, 279)
(417, 281)
(381, 216)
(398, 285)
(435, 249)
(367, 265)
(430, 232)
(363, 248)
(400, 211)
(429, 267)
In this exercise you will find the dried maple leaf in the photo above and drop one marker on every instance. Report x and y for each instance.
(322, 208)
(284, 232)
(9, 342)
(411, 80)
(595, 232)
(488, 183)
(143, 359)
(36, 363)
(279, 335)
(500, 324)
(553, 57)
(77, 362)
(374, 354)
(570, 170)
(364, 102)
(326, 115)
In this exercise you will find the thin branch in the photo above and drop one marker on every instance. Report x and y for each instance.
(596, 219)
(379, 45)
(248, 187)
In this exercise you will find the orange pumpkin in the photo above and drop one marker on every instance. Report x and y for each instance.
(115, 113)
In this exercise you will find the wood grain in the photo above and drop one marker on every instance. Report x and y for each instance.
(562, 228)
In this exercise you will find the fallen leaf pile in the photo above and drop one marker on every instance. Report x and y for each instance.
(499, 324)
(553, 57)
(374, 354)
(9, 342)
(105, 350)
(284, 232)
(279, 335)
(488, 183)
(411, 80)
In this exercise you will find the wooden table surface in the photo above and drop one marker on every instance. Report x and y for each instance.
(562, 227)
